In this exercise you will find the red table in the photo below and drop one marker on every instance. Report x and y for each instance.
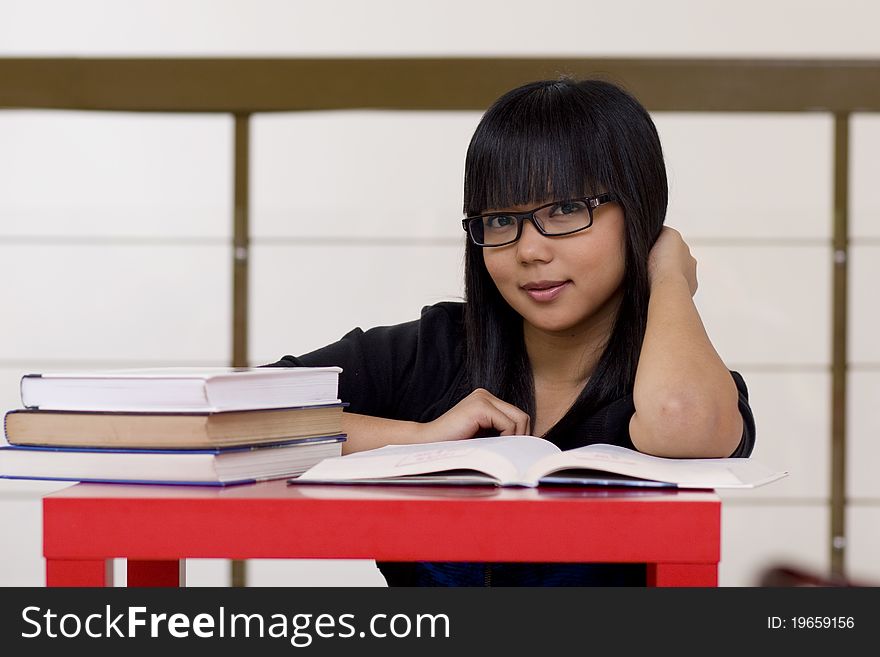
(677, 533)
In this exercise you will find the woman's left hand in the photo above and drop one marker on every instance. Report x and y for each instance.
(670, 255)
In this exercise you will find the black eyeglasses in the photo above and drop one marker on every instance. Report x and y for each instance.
(552, 220)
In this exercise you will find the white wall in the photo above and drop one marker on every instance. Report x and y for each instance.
(808, 28)
(114, 228)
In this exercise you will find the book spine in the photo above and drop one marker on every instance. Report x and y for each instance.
(21, 389)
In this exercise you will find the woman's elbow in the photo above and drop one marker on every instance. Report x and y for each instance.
(687, 429)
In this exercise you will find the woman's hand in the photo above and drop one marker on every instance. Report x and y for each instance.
(670, 255)
(479, 412)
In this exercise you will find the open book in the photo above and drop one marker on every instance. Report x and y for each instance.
(531, 461)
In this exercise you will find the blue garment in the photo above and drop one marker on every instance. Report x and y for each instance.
(528, 574)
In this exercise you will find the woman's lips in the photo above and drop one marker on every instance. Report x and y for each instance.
(545, 291)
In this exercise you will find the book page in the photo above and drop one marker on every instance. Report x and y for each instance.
(521, 451)
(503, 458)
(686, 473)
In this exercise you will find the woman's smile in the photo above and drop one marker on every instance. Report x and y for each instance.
(544, 291)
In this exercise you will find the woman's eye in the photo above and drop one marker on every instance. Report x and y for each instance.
(570, 207)
(504, 221)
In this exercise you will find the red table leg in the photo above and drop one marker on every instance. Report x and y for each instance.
(682, 574)
(74, 572)
(155, 573)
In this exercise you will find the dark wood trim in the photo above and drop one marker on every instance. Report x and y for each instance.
(241, 242)
(240, 273)
(839, 362)
(265, 85)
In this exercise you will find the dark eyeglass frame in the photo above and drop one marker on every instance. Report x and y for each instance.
(592, 202)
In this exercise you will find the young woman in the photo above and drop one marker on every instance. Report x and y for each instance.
(578, 323)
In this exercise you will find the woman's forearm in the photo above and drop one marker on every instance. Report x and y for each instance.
(478, 412)
(366, 432)
(684, 395)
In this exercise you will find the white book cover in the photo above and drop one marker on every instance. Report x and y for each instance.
(181, 389)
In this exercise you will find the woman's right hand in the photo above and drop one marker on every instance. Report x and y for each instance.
(478, 413)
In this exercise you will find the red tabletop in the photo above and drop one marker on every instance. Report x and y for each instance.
(677, 533)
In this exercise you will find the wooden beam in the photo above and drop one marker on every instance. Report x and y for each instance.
(265, 85)
(839, 365)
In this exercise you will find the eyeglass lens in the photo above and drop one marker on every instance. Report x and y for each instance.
(556, 219)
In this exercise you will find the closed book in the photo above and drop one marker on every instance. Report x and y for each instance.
(207, 467)
(170, 430)
(181, 389)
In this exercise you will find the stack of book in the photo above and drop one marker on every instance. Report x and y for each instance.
(207, 426)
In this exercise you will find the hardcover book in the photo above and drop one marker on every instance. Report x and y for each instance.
(170, 430)
(206, 467)
(180, 389)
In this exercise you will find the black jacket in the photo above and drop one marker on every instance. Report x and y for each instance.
(415, 371)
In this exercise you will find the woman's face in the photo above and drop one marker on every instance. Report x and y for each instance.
(562, 284)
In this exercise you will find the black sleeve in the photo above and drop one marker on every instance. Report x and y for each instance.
(747, 442)
(383, 365)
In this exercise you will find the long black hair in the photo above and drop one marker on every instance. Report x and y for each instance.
(556, 139)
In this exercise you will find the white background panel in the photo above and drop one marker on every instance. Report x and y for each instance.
(452, 27)
(154, 303)
(83, 174)
(314, 572)
(396, 173)
(754, 538)
(359, 173)
(207, 572)
(863, 543)
(864, 310)
(22, 562)
(766, 304)
(864, 154)
(863, 435)
(726, 175)
(792, 422)
(307, 297)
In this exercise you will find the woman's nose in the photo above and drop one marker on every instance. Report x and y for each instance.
(532, 245)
